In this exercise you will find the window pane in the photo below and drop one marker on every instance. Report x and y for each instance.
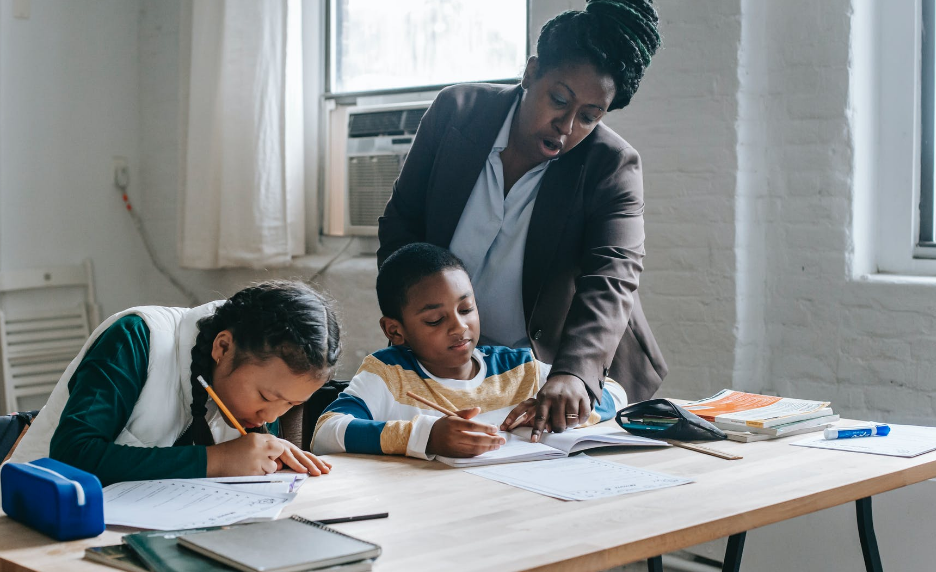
(388, 44)
(928, 157)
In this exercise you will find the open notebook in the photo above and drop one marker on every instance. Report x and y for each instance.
(552, 445)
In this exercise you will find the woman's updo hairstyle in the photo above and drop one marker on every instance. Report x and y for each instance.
(618, 37)
(280, 318)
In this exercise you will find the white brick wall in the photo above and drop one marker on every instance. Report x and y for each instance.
(682, 121)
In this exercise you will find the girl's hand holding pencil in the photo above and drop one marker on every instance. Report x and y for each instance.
(256, 453)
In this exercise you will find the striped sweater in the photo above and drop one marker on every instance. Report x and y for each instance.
(374, 414)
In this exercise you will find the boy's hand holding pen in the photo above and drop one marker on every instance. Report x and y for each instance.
(456, 435)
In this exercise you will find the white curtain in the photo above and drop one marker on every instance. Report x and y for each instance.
(242, 199)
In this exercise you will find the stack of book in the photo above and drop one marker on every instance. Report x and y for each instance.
(749, 417)
(286, 545)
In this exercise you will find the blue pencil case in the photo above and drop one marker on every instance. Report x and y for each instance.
(54, 498)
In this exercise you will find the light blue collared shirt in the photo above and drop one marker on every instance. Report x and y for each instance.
(490, 238)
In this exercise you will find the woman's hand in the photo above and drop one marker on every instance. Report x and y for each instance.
(251, 454)
(561, 403)
(301, 461)
(461, 437)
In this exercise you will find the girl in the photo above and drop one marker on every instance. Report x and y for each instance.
(130, 406)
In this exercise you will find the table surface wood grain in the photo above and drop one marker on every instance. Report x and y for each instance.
(444, 518)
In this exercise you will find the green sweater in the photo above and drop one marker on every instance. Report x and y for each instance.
(102, 393)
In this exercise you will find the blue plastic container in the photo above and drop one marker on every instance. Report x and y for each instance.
(54, 498)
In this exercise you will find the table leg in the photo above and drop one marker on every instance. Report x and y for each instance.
(733, 552)
(869, 547)
(655, 564)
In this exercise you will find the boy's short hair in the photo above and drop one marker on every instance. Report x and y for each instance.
(406, 267)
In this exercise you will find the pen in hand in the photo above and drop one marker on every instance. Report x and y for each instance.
(221, 406)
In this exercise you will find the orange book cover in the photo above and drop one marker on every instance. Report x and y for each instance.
(732, 402)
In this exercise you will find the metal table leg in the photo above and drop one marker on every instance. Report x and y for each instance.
(869, 547)
(655, 564)
(733, 552)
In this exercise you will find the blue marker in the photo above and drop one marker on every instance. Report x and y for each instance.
(878, 429)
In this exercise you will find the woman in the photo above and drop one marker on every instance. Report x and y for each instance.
(545, 206)
(130, 406)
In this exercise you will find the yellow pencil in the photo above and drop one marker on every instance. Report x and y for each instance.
(435, 406)
(221, 406)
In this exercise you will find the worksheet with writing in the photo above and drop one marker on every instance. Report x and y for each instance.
(172, 504)
(578, 478)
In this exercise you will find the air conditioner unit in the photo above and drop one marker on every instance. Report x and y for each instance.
(367, 146)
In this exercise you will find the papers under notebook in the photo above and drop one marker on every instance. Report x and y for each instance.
(172, 504)
(552, 445)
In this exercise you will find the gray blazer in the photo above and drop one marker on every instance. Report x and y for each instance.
(583, 250)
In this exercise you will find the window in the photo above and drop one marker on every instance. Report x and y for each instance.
(927, 242)
(895, 149)
(382, 46)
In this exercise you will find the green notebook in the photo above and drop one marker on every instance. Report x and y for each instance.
(160, 551)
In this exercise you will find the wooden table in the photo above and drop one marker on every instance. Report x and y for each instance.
(443, 518)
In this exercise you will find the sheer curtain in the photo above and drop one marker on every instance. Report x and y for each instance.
(242, 199)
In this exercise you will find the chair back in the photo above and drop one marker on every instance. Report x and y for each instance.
(298, 424)
(39, 335)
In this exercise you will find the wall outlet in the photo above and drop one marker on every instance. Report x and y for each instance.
(21, 9)
(121, 171)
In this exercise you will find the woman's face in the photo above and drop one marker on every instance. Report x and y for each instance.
(560, 108)
(258, 392)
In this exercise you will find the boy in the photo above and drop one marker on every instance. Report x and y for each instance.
(430, 318)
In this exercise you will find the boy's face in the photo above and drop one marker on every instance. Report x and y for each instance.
(440, 323)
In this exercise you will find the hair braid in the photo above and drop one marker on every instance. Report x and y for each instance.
(276, 319)
(618, 37)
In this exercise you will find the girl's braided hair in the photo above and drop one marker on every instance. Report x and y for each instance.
(618, 37)
(279, 318)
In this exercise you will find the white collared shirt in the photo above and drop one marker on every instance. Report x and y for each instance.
(491, 237)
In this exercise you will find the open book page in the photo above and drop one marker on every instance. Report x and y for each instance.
(575, 440)
(578, 478)
(552, 445)
(515, 449)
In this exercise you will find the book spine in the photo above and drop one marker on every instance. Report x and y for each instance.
(149, 558)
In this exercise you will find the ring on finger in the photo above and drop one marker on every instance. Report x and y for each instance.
(571, 416)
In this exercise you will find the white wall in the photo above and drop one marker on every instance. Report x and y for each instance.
(69, 106)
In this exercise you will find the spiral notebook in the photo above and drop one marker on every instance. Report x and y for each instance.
(286, 545)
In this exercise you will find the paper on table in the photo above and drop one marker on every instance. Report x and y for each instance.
(902, 441)
(578, 478)
(173, 504)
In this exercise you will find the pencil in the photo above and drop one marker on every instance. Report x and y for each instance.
(353, 518)
(221, 406)
(431, 404)
(517, 421)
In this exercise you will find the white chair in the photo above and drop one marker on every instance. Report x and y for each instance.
(40, 333)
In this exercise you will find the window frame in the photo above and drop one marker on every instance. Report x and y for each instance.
(331, 63)
(926, 243)
(895, 139)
